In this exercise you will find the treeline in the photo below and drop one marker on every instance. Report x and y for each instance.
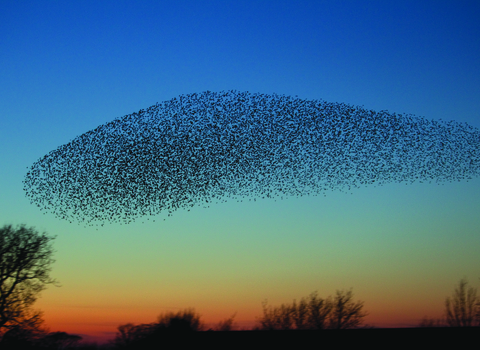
(26, 258)
(21, 337)
(310, 313)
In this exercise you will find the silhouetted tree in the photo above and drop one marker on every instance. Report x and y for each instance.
(125, 335)
(277, 317)
(25, 265)
(462, 309)
(319, 311)
(314, 312)
(345, 312)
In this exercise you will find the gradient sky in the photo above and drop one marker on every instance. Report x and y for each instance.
(68, 66)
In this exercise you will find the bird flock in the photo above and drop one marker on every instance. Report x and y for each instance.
(208, 147)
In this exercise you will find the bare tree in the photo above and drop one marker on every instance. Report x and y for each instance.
(277, 317)
(462, 308)
(125, 335)
(345, 312)
(319, 311)
(314, 312)
(301, 314)
(25, 265)
(130, 335)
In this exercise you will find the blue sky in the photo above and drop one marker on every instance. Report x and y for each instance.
(67, 67)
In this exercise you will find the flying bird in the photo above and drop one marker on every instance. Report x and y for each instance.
(207, 147)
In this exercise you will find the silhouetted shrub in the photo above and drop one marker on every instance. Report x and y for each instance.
(168, 324)
(59, 340)
(432, 322)
(182, 321)
(225, 325)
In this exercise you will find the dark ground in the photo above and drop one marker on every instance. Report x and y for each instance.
(428, 338)
(453, 338)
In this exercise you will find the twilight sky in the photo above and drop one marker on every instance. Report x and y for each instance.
(68, 67)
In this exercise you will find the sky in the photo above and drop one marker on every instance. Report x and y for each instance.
(67, 67)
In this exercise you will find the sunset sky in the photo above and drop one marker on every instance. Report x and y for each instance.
(67, 67)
